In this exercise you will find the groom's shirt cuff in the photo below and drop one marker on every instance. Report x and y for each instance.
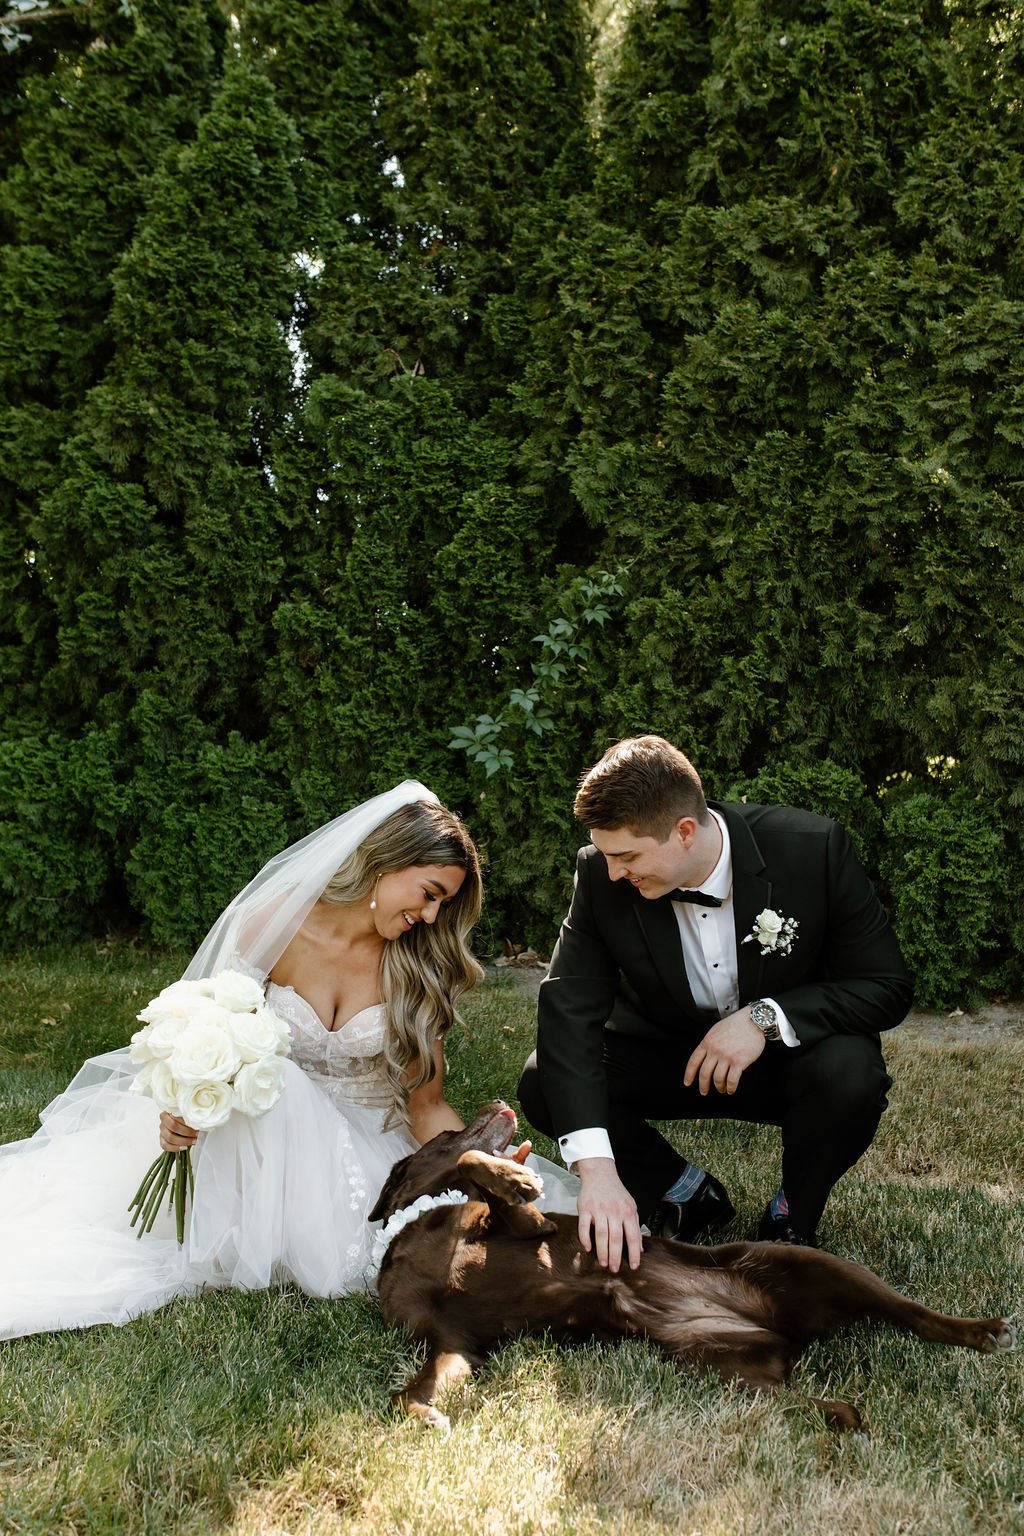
(591, 1142)
(786, 1030)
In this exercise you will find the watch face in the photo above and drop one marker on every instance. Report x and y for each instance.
(764, 1016)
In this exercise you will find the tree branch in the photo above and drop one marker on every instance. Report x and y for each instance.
(18, 19)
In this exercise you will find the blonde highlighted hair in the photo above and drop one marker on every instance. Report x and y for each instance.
(425, 971)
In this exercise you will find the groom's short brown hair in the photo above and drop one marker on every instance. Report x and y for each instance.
(643, 783)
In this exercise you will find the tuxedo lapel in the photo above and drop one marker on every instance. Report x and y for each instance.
(658, 924)
(751, 893)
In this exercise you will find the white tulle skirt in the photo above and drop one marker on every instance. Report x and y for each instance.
(282, 1198)
(277, 1199)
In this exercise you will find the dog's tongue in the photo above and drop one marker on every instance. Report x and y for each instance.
(505, 1124)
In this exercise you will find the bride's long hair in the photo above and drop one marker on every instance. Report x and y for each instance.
(425, 971)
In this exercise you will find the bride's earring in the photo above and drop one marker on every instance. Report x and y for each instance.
(373, 898)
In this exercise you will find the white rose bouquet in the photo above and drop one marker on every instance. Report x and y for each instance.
(207, 1047)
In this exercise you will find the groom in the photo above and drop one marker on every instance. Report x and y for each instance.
(717, 961)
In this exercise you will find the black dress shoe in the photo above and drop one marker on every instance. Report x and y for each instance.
(710, 1206)
(776, 1229)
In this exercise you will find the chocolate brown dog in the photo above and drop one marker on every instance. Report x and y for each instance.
(476, 1262)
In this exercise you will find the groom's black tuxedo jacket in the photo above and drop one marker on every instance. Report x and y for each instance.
(618, 962)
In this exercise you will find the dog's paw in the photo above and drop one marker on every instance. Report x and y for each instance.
(839, 1415)
(436, 1420)
(1005, 1338)
(501, 1177)
(521, 1183)
(428, 1414)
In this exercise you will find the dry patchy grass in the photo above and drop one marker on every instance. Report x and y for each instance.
(266, 1415)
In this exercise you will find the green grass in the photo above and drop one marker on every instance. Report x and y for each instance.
(268, 1413)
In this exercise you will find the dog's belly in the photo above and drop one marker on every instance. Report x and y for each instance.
(486, 1291)
(690, 1324)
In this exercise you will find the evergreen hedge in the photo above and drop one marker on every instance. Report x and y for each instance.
(368, 387)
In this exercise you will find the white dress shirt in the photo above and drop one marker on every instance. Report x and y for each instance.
(708, 938)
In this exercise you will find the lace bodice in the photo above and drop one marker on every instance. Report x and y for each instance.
(347, 1063)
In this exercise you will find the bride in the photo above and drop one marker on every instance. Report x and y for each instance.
(359, 933)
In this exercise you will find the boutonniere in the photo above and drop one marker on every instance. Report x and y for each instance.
(773, 932)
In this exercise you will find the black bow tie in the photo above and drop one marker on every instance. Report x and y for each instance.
(699, 898)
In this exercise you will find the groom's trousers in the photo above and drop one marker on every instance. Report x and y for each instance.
(827, 1099)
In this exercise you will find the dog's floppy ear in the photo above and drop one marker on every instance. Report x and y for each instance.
(391, 1184)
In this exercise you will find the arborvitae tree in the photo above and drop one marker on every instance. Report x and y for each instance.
(338, 362)
(90, 102)
(160, 548)
(791, 328)
(165, 513)
(790, 361)
(416, 574)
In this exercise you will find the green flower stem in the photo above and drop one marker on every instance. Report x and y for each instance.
(156, 1199)
(182, 1164)
(156, 1193)
(151, 1175)
(152, 1172)
(173, 1169)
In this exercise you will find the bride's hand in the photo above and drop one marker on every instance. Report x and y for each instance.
(175, 1135)
(521, 1153)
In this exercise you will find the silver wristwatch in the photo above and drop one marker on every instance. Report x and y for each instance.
(766, 1019)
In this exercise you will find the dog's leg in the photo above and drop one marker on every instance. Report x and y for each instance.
(522, 1221)
(501, 1177)
(512, 1190)
(443, 1370)
(738, 1350)
(763, 1362)
(988, 1335)
(753, 1356)
(822, 1292)
(838, 1415)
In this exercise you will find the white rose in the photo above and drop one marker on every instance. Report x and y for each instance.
(258, 1085)
(236, 992)
(259, 1034)
(205, 1011)
(205, 1105)
(155, 1011)
(162, 1037)
(140, 1083)
(769, 922)
(205, 1051)
(176, 1001)
(161, 1086)
(139, 1051)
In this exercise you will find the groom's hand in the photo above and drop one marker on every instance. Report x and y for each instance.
(724, 1054)
(607, 1208)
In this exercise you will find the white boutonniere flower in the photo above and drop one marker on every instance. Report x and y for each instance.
(773, 932)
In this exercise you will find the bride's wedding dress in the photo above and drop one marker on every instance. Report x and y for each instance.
(279, 1198)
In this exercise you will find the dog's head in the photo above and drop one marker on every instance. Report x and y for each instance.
(432, 1168)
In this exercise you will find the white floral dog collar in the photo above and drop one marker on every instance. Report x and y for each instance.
(409, 1213)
